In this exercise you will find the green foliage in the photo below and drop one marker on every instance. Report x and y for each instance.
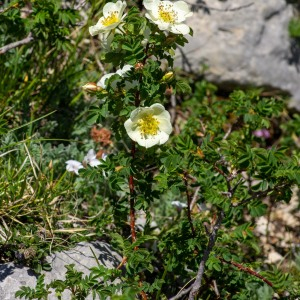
(294, 28)
(233, 157)
(77, 284)
(39, 292)
(45, 71)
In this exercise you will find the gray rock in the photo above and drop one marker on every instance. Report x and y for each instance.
(12, 277)
(243, 43)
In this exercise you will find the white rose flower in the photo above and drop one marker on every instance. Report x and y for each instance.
(168, 15)
(102, 80)
(112, 17)
(149, 126)
(91, 159)
(121, 72)
(74, 166)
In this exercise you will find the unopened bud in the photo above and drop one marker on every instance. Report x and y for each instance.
(92, 87)
(200, 153)
(139, 66)
(168, 77)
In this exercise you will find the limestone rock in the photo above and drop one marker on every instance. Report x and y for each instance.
(12, 277)
(243, 43)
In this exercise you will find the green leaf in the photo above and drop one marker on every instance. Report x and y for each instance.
(183, 87)
(257, 208)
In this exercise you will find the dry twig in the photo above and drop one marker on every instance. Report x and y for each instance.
(211, 242)
(188, 196)
(13, 45)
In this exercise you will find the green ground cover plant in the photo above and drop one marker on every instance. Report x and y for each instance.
(139, 141)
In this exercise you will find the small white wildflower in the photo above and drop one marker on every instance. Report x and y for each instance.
(112, 17)
(179, 205)
(149, 126)
(168, 15)
(74, 166)
(104, 156)
(91, 159)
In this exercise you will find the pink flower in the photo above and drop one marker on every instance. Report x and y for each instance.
(262, 133)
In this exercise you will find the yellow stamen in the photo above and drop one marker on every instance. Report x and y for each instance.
(111, 19)
(148, 125)
(167, 14)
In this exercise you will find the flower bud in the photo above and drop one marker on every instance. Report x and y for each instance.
(168, 77)
(92, 87)
(139, 66)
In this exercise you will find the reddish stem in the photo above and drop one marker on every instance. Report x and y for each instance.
(131, 185)
(132, 213)
(247, 270)
(122, 263)
(132, 210)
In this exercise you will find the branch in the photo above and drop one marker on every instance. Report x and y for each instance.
(16, 5)
(6, 48)
(79, 5)
(247, 270)
(122, 263)
(212, 240)
(216, 289)
(181, 293)
(227, 133)
(195, 197)
(131, 200)
(227, 178)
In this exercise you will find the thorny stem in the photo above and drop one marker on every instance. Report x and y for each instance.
(131, 189)
(227, 178)
(258, 195)
(137, 95)
(131, 179)
(132, 215)
(211, 243)
(122, 263)
(188, 196)
(132, 210)
(247, 270)
(143, 294)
